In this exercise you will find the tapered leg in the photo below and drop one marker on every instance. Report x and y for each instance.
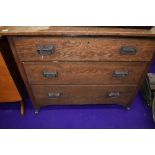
(36, 110)
(128, 108)
(22, 107)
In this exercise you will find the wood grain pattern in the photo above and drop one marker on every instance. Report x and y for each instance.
(82, 94)
(76, 31)
(8, 90)
(84, 72)
(83, 49)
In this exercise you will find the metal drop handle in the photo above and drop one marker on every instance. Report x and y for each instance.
(54, 95)
(126, 50)
(52, 74)
(113, 94)
(45, 50)
(120, 74)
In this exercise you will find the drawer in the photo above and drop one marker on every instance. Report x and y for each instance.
(82, 94)
(84, 72)
(83, 49)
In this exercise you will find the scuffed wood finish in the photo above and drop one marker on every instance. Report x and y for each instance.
(8, 90)
(76, 31)
(84, 72)
(82, 94)
(83, 49)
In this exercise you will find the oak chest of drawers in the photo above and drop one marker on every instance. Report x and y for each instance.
(82, 65)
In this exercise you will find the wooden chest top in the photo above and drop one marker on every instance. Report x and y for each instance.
(75, 31)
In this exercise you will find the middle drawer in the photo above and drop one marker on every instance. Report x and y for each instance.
(84, 72)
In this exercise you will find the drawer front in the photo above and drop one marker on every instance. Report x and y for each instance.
(82, 94)
(83, 49)
(84, 72)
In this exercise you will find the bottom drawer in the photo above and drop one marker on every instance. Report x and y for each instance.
(82, 94)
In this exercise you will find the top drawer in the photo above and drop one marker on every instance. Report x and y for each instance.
(83, 49)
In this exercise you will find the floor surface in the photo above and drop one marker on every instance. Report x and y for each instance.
(78, 117)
